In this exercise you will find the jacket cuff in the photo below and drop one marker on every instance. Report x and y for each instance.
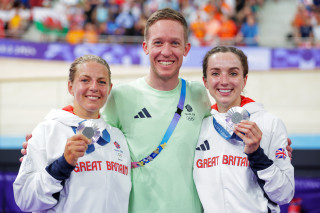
(60, 169)
(259, 160)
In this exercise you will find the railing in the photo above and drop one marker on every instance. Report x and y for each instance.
(263, 41)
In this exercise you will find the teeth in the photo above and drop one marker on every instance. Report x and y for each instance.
(93, 97)
(225, 90)
(166, 62)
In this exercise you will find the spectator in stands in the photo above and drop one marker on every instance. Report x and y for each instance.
(101, 14)
(198, 31)
(75, 35)
(90, 33)
(25, 3)
(36, 3)
(228, 31)
(173, 4)
(305, 34)
(228, 7)
(135, 7)
(17, 24)
(113, 8)
(240, 4)
(75, 16)
(315, 21)
(248, 33)
(113, 28)
(188, 9)
(302, 28)
(140, 25)
(126, 21)
(241, 16)
(2, 29)
(6, 4)
(213, 25)
(89, 8)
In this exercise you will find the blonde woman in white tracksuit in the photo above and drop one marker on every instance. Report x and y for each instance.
(248, 170)
(63, 170)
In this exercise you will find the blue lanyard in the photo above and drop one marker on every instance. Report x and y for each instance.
(169, 131)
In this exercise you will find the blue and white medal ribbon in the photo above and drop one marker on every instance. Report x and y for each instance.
(234, 116)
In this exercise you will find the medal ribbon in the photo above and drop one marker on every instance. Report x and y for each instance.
(169, 131)
(224, 133)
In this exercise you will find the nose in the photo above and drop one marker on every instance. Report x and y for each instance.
(224, 79)
(166, 50)
(94, 86)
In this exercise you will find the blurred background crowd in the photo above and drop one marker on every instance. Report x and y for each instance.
(211, 22)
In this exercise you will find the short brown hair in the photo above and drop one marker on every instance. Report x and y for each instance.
(84, 59)
(223, 49)
(166, 14)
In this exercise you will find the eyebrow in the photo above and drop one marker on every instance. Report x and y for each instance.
(88, 76)
(218, 68)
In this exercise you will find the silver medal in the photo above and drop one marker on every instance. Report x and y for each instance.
(235, 115)
(89, 129)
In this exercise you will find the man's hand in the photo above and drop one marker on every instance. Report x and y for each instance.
(289, 148)
(24, 147)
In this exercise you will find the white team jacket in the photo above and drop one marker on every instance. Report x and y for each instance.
(230, 181)
(99, 183)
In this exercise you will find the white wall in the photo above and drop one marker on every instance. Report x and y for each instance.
(29, 89)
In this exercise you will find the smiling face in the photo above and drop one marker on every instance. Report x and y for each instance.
(225, 79)
(90, 88)
(166, 47)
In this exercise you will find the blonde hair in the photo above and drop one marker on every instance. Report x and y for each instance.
(84, 59)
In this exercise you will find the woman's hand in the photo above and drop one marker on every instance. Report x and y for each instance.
(251, 135)
(76, 147)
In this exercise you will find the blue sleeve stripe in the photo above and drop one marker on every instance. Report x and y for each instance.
(60, 169)
(259, 161)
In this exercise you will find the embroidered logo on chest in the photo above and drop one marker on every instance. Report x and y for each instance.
(119, 152)
(189, 113)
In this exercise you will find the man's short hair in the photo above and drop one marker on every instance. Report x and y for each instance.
(166, 14)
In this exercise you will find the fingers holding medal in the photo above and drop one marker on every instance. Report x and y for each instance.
(248, 131)
(87, 133)
(76, 147)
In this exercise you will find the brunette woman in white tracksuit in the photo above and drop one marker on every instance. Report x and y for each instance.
(66, 172)
(250, 171)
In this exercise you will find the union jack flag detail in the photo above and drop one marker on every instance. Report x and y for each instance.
(281, 153)
(116, 144)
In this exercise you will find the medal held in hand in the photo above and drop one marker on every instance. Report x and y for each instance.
(234, 116)
(89, 129)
